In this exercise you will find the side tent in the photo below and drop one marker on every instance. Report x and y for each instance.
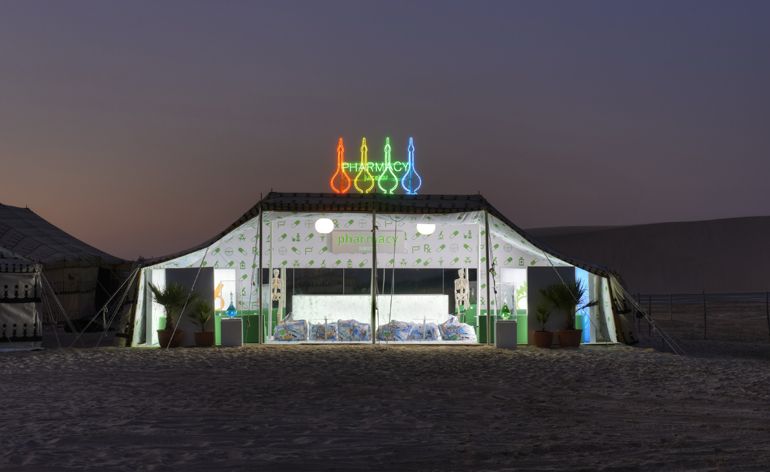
(387, 266)
(80, 275)
(20, 290)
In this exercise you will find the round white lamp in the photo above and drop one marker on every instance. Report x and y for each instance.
(426, 229)
(324, 225)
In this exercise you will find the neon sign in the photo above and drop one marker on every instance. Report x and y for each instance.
(385, 176)
(340, 175)
(411, 181)
(364, 181)
(387, 181)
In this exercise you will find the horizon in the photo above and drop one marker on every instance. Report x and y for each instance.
(525, 228)
(146, 128)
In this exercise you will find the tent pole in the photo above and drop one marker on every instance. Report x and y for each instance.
(374, 274)
(489, 302)
(767, 311)
(705, 317)
(135, 302)
(261, 317)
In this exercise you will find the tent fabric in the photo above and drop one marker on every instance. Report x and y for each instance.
(11, 262)
(366, 203)
(284, 214)
(19, 295)
(75, 270)
(28, 235)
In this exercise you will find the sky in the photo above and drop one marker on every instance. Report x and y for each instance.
(145, 127)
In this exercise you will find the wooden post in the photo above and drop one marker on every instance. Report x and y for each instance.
(262, 318)
(649, 313)
(374, 274)
(705, 318)
(489, 302)
(767, 311)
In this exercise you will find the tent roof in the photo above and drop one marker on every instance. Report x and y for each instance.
(28, 235)
(353, 203)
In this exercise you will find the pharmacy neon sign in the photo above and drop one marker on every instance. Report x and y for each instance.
(367, 176)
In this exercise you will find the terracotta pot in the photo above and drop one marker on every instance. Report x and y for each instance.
(204, 339)
(165, 340)
(543, 338)
(570, 337)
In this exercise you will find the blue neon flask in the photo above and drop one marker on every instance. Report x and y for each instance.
(231, 311)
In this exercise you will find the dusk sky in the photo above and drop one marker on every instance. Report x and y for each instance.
(144, 128)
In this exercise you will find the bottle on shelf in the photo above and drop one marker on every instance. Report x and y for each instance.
(231, 311)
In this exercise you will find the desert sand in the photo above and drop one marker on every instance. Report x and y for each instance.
(385, 407)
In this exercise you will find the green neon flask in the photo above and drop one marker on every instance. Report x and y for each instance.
(505, 313)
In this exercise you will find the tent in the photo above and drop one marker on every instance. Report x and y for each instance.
(314, 267)
(20, 291)
(80, 275)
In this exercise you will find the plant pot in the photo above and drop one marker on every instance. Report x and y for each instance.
(121, 340)
(542, 338)
(165, 339)
(570, 337)
(204, 339)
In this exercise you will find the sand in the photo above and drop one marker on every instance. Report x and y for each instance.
(385, 407)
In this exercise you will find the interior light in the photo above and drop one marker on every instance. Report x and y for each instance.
(426, 229)
(324, 225)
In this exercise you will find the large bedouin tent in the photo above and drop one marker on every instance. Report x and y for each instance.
(20, 291)
(81, 276)
(302, 267)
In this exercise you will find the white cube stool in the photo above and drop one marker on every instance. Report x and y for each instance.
(505, 334)
(232, 332)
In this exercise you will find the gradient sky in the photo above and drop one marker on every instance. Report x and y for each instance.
(146, 127)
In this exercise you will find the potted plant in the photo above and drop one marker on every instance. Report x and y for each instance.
(566, 297)
(173, 299)
(201, 314)
(541, 337)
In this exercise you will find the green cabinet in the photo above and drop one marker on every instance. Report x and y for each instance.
(522, 325)
(251, 321)
(481, 331)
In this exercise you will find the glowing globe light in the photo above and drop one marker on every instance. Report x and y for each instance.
(324, 225)
(426, 229)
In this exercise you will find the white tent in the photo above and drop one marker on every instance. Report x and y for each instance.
(385, 266)
(20, 291)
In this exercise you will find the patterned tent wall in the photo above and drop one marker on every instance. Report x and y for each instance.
(511, 250)
(19, 296)
(292, 242)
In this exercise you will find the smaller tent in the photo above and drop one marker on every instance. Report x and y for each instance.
(20, 291)
(81, 276)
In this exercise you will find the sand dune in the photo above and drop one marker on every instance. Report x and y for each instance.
(382, 407)
(728, 255)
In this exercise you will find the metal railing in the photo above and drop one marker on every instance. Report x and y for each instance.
(714, 316)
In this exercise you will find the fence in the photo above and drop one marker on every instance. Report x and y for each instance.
(714, 316)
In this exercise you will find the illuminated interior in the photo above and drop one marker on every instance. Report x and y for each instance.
(363, 277)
